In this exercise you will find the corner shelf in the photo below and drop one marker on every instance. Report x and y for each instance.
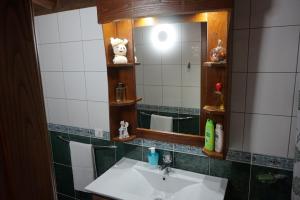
(215, 64)
(131, 137)
(213, 154)
(213, 110)
(125, 103)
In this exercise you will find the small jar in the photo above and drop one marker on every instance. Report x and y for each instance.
(120, 92)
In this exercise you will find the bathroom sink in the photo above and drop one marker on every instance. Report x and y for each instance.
(135, 180)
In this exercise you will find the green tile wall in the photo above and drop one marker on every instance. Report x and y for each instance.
(240, 187)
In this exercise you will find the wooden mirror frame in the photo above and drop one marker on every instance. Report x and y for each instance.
(118, 19)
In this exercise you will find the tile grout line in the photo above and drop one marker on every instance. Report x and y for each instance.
(248, 53)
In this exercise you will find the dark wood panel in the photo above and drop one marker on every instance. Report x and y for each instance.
(110, 10)
(64, 5)
(47, 4)
(24, 146)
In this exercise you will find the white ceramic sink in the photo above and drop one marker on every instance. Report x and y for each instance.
(135, 180)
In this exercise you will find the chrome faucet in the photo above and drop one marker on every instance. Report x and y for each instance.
(167, 160)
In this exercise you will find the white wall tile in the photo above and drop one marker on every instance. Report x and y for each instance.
(275, 13)
(152, 75)
(151, 55)
(48, 28)
(96, 85)
(94, 55)
(36, 30)
(192, 76)
(236, 131)
(266, 134)
(273, 49)
(139, 52)
(172, 96)
(50, 57)
(153, 95)
(172, 55)
(292, 143)
(139, 74)
(270, 93)
(296, 94)
(138, 35)
(89, 24)
(57, 111)
(171, 75)
(238, 92)
(72, 56)
(240, 50)
(98, 115)
(75, 85)
(54, 82)
(191, 32)
(241, 13)
(191, 97)
(43, 76)
(140, 92)
(78, 113)
(69, 26)
(191, 52)
(47, 110)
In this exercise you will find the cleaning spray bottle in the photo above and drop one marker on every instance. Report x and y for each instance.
(209, 135)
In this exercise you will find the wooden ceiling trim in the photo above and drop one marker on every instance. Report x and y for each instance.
(47, 4)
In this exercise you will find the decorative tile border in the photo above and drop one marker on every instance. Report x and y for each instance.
(232, 155)
(188, 149)
(158, 144)
(272, 161)
(138, 142)
(169, 109)
(238, 156)
(79, 131)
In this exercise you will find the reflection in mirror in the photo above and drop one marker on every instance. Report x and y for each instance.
(168, 77)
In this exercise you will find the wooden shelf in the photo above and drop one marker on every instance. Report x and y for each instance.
(213, 154)
(215, 64)
(118, 66)
(213, 110)
(131, 137)
(125, 103)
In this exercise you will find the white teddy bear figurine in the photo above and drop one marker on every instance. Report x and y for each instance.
(120, 50)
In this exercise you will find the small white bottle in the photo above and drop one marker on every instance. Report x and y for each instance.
(219, 137)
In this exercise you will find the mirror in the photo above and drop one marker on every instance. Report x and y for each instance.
(168, 77)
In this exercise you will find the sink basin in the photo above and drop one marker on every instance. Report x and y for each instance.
(135, 180)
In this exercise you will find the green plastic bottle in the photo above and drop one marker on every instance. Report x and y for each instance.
(209, 135)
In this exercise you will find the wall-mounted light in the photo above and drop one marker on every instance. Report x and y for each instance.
(163, 36)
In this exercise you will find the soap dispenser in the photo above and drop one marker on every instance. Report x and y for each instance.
(153, 157)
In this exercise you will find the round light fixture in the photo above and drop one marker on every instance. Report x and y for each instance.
(163, 36)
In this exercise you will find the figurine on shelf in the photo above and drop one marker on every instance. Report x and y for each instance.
(218, 92)
(120, 50)
(218, 54)
(123, 130)
(125, 133)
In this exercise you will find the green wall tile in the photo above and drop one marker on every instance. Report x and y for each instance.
(192, 163)
(104, 158)
(60, 149)
(83, 195)
(279, 189)
(64, 179)
(130, 151)
(63, 197)
(238, 175)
